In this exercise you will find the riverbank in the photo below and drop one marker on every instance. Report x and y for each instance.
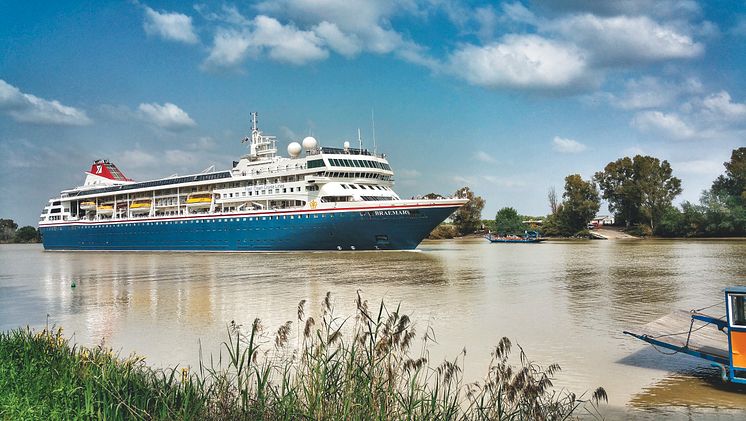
(366, 373)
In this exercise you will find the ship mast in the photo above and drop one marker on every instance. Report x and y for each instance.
(261, 147)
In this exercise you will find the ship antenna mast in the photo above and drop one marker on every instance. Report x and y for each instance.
(359, 139)
(254, 123)
(373, 121)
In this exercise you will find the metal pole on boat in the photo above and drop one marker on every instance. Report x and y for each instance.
(373, 122)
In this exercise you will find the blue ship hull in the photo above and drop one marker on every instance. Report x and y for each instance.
(365, 229)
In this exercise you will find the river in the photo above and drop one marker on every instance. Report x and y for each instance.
(564, 302)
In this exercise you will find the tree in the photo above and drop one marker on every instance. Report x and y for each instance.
(733, 182)
(637, 189)
(552, 196)
(507, 220)
(27, 234)
(617, 184)
(581, 203)
(7, 230)
(468, 217)
(432, 196)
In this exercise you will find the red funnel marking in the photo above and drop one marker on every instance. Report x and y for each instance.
(107, 170)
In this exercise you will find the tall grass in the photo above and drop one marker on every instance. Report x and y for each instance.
(371, 365)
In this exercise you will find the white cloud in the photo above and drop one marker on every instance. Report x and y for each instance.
(170, 26)
(722, 106)
(521, 61)
(229, 48)
(625, 40)
(669, 125)
(564, 145)
(137, 158)
(284, 43)
(699, 167)
(181, 158)
(659, 8)
(484, 157)
(714, 117)
(519, 13)
(358, 25)
(347, 45)
(287, 43)
(167, 116)
(27, 108)
(204, 143)
(649, 92)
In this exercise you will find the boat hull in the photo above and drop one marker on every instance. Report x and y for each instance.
(357, 229)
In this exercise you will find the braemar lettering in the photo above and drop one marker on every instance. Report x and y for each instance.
(391, 212)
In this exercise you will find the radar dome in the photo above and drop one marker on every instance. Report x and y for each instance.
(294, 149)
(347, 145)
(309, 143)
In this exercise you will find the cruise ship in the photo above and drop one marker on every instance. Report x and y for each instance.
(317, 198)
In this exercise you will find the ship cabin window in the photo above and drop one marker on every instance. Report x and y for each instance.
(737, 310)
(352, 186)
(333, 199)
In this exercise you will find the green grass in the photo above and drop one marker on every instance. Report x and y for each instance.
(360, 367)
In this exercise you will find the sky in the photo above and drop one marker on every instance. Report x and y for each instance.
(507, 98)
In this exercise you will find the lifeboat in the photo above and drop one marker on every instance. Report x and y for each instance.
(105, 209)
(198, 200)
(140, 206)
(88, 205)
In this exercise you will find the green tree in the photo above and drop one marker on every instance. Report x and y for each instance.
(581, 203)
(468, 217)
(733, 182)
(27, 234)
(638, 189)
(617, 184)
(7, 230)
(507, 220)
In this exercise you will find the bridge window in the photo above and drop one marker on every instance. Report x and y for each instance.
(315, 163)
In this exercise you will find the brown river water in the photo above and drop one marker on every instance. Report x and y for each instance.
(564, 302)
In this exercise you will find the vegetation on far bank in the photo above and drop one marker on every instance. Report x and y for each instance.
(10, 233)
(639, 192)
(371, 365)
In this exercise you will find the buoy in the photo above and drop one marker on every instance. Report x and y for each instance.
(72, 285)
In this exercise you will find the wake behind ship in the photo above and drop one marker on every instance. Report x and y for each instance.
(318, 198)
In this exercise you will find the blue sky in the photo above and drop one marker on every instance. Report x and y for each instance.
(507, 98)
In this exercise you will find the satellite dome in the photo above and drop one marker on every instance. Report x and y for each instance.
(347, 145)
(294, 149)
(309, 143)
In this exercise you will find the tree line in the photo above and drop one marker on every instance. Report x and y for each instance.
(10, 233)
(639, 192)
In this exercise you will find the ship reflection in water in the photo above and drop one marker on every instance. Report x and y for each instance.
(564, 302)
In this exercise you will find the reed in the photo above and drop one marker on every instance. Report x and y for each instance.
(371, 365)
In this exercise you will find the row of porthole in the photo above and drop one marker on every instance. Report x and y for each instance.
(263, 218)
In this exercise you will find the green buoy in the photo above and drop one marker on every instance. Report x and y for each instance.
(72, 285)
